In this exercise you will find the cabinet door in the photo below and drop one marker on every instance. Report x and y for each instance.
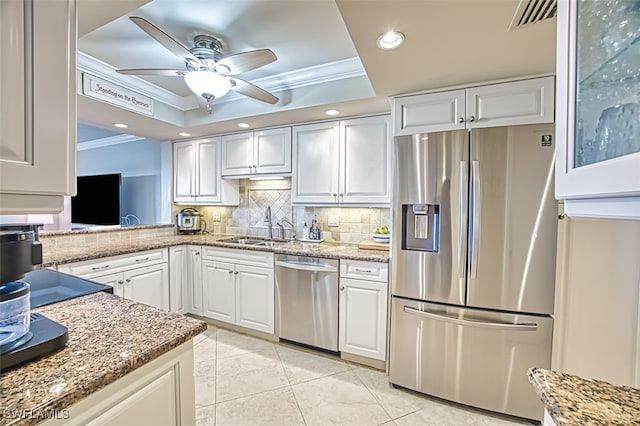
(149, 285)
(431, 112)
(514, 103)
(194, 291)
(184, 164)
(255, 298)
(315, 163)
(156, 402)
(38, 105)
(237, 154)
(178, 279)
(598, 110)
(365, 160)
(218, 280)
(208, 171)
(272, 151)
(363, 318)
(115, 280)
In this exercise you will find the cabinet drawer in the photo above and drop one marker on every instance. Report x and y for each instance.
(115, 263)
(245, 257)
(372, 271)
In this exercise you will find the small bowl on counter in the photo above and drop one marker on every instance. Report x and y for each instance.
(381, 238)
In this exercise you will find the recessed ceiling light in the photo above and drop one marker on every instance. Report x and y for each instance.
(390, 40)
(120, 125)
(244, 125)
(184, 134)
(332, 112)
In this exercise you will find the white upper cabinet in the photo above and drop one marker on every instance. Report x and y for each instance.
(316, 161)
(598, 108)
(502, 104)
(346, 162)
(38, 105)
(261, 152)
(365, 166)
(196, 173)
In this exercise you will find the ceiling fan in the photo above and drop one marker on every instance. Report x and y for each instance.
(208, 72)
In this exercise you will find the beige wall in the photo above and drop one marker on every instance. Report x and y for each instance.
(597, 328)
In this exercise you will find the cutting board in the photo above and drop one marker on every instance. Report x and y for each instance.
(372, 245)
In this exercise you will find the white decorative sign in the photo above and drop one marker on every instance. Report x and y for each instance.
(117, 95)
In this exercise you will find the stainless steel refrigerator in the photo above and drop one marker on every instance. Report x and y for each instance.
(473, 265)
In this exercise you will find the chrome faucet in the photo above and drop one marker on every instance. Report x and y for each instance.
(267, 219)
(293, 230)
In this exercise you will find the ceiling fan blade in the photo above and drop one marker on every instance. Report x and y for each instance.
(151, 71)
(164, 39)
(246, 61)
(252, 91)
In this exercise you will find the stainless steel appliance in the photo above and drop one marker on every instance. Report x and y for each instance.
(189, 221)
(473, 265)
(307, 300)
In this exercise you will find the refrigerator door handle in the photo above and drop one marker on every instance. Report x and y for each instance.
(463, 208)
(475, 238)
(472, 323)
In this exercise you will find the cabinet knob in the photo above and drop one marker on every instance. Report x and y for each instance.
(472, 118)
(120, 282)
(128, 280)
(235, 273)
(230, 272)
(197, 253)
(342, 288)
(341, 197)
(461, 120)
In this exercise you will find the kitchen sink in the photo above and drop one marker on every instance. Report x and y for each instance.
(245, 241)
(267, 243)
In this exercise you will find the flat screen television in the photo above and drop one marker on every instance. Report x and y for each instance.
(97, 200)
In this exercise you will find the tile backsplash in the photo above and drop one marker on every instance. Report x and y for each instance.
(248, 218)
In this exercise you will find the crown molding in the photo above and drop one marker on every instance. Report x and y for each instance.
(318, 74)
(108, 141)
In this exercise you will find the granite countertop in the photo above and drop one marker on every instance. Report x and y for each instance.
(98, 250)
(108, 337)
(573, 400)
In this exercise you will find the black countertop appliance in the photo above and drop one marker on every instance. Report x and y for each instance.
(24, 335)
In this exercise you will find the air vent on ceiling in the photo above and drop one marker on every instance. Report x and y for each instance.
(532, 11)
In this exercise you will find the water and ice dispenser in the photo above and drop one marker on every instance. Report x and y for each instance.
(421, 227)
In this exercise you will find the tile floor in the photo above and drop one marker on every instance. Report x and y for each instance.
(242, 380)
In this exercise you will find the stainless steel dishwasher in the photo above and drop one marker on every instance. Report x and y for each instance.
(307, 300)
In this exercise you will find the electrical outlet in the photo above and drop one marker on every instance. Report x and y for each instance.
(216, 216)
(333, 220)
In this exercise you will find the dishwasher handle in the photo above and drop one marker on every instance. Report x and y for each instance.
(303, 266)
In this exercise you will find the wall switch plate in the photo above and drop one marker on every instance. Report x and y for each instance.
(333, 220)
(216, 216)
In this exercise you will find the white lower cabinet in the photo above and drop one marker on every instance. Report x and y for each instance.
(363, 309)
(238, 287)
(142, 277)
(194, 286)
(178, 279)
(158, 393)
(185, 279)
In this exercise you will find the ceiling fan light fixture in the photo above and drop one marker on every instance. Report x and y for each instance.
(207, 83)
(390, 40)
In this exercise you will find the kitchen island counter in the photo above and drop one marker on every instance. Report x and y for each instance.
(573, 400)
(60, 255)
(109, 337)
